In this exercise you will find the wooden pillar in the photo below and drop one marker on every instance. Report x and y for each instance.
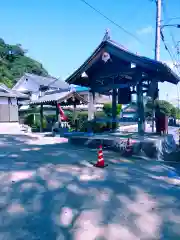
(74, 111)
(41, 117)
(74, 117)
(57, 112)
(90, 106)
(91, 97)
(140, 106)
(114, 108)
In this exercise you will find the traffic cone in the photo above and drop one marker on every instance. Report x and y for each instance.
(128, 150)
(100, 162)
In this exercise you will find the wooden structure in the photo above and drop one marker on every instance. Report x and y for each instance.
(112, 67)
(63, 98)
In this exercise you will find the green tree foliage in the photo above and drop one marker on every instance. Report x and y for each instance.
(107, 108)
(165, 107)
(14, 63)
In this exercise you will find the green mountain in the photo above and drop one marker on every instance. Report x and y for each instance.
(14, 63)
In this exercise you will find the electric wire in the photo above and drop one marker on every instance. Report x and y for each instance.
(112, 21)
(170, 30)
(176, 61)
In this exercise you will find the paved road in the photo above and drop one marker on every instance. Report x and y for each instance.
(175, 132)
(48, 190)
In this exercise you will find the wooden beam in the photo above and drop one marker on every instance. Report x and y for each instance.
(112, 86)
(140, 105)
(41, 118)
(124, 72)
(114, 108)
(57, 112)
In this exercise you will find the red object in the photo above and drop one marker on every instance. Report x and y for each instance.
(61, 113)
(129, 150)
(128, 146)
(161, 124)
(100, 161)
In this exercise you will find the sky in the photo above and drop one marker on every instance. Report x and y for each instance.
(62, 34)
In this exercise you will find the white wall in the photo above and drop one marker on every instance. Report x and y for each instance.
(4, 100)
(35, 96)
(28, 85)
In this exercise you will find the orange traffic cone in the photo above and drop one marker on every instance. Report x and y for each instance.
(100, 162)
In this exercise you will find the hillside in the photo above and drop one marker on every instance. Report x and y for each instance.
(14, 63)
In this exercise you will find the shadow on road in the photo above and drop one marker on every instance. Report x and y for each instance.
(50, 192)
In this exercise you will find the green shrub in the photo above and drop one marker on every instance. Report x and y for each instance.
(77, 119)
(81, 119)
(107, 108)
(29, 119)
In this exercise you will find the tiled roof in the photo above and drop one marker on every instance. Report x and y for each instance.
(43, 81)
(60, 97)
(7, 92)
(163, 72)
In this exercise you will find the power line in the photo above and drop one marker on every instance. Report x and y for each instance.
(166, 47)
(170, 31)
(170, 54)
(111, 21)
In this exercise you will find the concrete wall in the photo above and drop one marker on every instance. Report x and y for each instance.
(8, 110)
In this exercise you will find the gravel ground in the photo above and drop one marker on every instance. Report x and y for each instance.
(48, 190)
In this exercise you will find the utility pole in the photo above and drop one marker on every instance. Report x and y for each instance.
(158, 29)
(157, 43)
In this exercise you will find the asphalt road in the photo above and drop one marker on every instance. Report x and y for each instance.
(174, 132)
(48, 190)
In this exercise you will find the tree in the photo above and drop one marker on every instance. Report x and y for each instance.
(177, 113)
(14, 63)
(174, 112)
(165, 108)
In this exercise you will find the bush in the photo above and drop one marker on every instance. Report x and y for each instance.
(96, 127)
(107, 108)
(44, 123)
(77, 120)
(80, 121)
(29, 120)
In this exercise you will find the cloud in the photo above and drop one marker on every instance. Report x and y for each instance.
(145, 30)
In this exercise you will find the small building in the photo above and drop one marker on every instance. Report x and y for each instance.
(9, 104)
(35, 86)
(57, 99)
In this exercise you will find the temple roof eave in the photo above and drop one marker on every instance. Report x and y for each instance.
(58, 97)
(158, 68)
